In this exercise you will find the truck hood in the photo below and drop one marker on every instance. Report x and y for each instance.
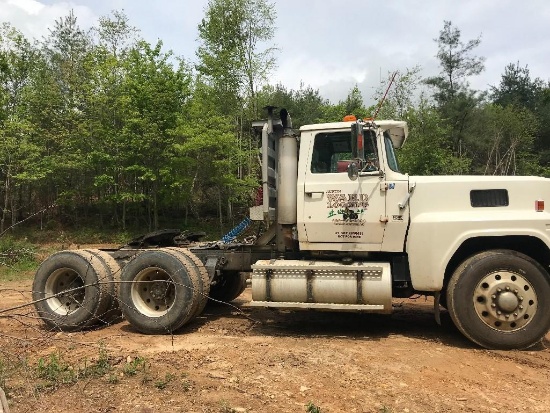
(433, 194)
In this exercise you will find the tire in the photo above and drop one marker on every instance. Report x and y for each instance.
(499, 299)
(113, 314)
(70, 290)
(204, 279)
(159, 291)
(229, 286)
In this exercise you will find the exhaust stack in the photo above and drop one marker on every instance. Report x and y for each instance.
(287, 173)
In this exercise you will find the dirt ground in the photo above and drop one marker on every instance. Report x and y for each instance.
(237, 359)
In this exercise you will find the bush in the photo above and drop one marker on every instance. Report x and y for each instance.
(17, 254)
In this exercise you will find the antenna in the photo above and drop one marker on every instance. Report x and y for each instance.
(385, 94)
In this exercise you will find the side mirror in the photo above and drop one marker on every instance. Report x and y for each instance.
(357, 141)
(353, 171)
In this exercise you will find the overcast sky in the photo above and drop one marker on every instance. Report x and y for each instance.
(333, 44)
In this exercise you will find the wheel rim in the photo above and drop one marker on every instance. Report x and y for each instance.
(505, 301)
(153, 292)
(64, 291)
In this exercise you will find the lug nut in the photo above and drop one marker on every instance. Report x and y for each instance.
(499, 290)
(515, 314)
(520, 307)
(507, 316)
(520, 298)
(494, 297)
(493, 305)
(499, 312)
(515, 291)
(507, 288)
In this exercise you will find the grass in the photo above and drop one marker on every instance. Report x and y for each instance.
(53, 371)
(225, 408)
(17, 257)
(162, 383)
(3, 373)
(133, 367)
(312, 408)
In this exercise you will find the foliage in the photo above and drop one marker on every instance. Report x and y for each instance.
(102, 127)
(456, 101)
(132, 367)
(235, 55)
(456, 63)
(401, 95)
(427, 152)
(163, 382)
(502, 141)
(54, 371)
(312, 408)
(516, 88)
(16, 254)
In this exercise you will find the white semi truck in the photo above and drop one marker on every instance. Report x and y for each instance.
(346, 231)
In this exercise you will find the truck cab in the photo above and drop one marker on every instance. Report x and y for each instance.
(365, 213)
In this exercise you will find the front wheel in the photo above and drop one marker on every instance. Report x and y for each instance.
(499, 299)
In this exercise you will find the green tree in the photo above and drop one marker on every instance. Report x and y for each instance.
(502, 140)
(108, 154)
(457, 64)
(207, 158)
(17, 58)
(305, 105)
(154, 97)
(529, 98)
(426, 151)
(452, 93)
(517, 88)
(234, 53)
(60, 107)
(401, 94)
(235, 57)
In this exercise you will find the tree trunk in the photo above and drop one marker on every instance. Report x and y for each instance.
(124, 215)
(220, 213)
(7, 191)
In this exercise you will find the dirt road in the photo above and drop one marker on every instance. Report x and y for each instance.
(234, 359)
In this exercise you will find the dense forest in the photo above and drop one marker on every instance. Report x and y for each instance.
(101, 128)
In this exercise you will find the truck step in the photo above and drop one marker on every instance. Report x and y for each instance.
(318, 306)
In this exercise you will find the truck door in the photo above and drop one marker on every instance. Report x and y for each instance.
(337, 209)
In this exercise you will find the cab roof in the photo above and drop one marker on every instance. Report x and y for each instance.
(397, 129)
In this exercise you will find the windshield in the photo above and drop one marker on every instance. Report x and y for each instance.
(390, 153)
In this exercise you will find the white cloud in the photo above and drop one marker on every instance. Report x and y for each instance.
(28, 6)
(332, 46)
(34, 18)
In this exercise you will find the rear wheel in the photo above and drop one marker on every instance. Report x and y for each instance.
(204, 279)
(159, 291)
(113, 313)
(499, 300)
(71, 290)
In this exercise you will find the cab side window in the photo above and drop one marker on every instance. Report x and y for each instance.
(332, 151)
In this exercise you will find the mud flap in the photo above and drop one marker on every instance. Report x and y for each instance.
(437, 314)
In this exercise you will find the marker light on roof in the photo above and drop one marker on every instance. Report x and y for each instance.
(349, 118)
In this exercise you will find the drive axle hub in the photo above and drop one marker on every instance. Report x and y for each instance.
(505, 301)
